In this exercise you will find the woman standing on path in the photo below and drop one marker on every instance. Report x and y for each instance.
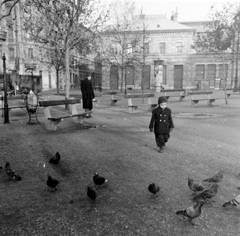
(87, 94)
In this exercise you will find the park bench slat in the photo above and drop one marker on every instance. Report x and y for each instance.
(59, 102)
(51, 122)
(145, 95)
(195, 97)
(132, 107)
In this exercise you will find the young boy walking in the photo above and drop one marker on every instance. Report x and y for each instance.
(162, 123)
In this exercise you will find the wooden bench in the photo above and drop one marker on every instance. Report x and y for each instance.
(231, 91)
(10, 106)
(113, 99)
(132, 107)
(51, 122)
(196, 96)
(174, 93)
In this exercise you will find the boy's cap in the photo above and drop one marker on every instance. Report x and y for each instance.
(162, 99)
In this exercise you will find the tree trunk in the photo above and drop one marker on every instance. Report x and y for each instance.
(57, 74)
(67, 75)
(224, 80)
(121, 80)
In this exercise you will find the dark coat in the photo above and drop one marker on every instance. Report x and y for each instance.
(161, 120)
(87, 94)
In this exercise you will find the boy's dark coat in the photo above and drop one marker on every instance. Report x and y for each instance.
(161, 120)
(87, 94)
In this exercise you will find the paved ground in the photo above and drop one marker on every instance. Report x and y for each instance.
(122, 149)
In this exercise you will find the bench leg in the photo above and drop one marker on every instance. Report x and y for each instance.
(194, 103)
(130, 109)
(181, 98)
(113, 102)
(210, 102)
(52, 125)
(78, 119)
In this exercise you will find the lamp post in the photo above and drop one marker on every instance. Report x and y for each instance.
(6, 114)
(3, 37)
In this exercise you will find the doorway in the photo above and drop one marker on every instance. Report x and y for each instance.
(178, 76)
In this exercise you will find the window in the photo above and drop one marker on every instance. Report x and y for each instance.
(146, 48)
(10, 33)
(162, 48)
(11, 53)
(129, 48)
(114, 49)
(30, 53)
(179, 46)
(221, 69)
(40, 54)
(200, 72)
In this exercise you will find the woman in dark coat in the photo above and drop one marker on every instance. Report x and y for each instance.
(162, 122)
(87, 94)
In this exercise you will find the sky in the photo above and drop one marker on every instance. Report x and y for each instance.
(194, 10)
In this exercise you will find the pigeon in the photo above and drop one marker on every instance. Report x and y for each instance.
(52, 183)
(153, 188)
(215, 179)
(55, 159)
(233, 202)
(207, 193)
(192, 212)
(91, 193)
(99, 180)
(195, 187)
(11, 173)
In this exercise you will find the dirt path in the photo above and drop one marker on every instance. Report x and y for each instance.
(123, 150)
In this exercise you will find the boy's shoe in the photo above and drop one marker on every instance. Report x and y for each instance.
(161, 149)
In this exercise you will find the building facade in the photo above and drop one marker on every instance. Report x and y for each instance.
(171, 42)
(24, 57)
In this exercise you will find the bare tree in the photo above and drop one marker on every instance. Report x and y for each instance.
(218, 37)
(63, 24)
(121, 43)
(53, 57)
(3, 3)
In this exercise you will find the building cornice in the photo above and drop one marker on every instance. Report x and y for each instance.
(167, 31)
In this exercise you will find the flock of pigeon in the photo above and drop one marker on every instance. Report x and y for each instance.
(202, 192)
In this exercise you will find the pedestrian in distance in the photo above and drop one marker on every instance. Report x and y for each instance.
(161, 123)
(88, 95)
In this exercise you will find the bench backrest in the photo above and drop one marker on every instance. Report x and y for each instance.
(172, 90)
(111, 93)
(200, 92)
(58, 102)
(17, 97)
(145, 95)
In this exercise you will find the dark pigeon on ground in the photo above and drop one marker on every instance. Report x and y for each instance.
(234, 202)
(52, 183)
(153, 188)
(215, 179)
(207, 194)
(91, 193)
(195, 187)
(55, 159)
(11, 173)
(99, 180)
(192, 212)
